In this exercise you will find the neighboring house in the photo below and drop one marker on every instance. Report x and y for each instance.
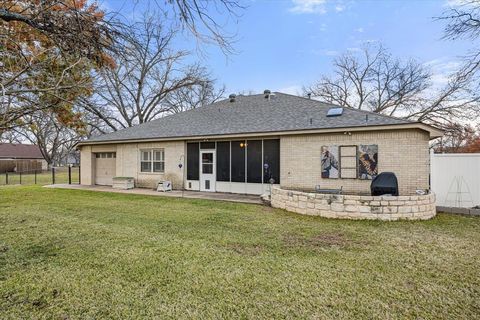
(239, 144)
(21, 158)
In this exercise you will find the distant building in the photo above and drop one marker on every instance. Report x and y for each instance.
(21, 158)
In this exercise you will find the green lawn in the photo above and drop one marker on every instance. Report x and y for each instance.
(71, 254)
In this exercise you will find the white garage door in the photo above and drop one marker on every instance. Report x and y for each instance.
(105, 168)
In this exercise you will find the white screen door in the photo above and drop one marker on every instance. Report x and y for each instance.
(207, 170)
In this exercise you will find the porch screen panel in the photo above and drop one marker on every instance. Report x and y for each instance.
(238, 161)
(193, 160)
(207, 145)
(254, 161)
(223, 161)
(271, 158)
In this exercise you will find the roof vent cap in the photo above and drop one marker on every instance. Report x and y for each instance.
(335, 112)
(232, 97)
(267, 93)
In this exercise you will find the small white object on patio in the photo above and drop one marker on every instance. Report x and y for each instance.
(164, 186)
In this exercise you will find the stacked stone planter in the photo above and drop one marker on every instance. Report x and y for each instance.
(123, 183)
(415, 207)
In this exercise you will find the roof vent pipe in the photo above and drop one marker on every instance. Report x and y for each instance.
(267, 94)
(309, 95)
(232, 97)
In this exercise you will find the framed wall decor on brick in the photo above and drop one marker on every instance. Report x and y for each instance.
(329, 160)
(368, 161)
(348, 162)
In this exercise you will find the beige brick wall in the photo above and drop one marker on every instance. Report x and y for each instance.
(86, 165)
(128, 162)
(404, 152)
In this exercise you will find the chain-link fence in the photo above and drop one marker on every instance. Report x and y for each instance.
(56, 175)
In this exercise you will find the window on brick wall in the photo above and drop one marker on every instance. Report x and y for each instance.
(152, 160)
(348, 162)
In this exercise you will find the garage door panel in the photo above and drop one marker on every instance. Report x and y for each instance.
(105, 166)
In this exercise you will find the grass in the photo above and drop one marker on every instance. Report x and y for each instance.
(71, 254)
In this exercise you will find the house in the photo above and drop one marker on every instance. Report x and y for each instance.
(244, 143)
(21, 158)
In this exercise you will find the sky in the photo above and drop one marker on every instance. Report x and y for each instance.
(283, 45)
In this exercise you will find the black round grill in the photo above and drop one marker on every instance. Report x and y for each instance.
(384, 183)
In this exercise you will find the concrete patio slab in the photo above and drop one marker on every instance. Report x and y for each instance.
(231, 197)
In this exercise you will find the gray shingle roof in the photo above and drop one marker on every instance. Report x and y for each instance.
(20, 151)
(249, 114)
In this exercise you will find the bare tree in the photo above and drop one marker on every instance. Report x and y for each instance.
(197, 17)
(55, 140)
(149, 74)
(458, 138)
(79, 27)
(10, 137)
(49, 48)
(375, 81)
(463, 21)
(194, 97)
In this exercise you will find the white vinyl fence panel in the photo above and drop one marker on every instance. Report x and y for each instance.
(455, 179)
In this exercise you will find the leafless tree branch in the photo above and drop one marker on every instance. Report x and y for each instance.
(148, 80)
(375, 81)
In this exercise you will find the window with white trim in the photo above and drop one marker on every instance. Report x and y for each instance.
(152, 160)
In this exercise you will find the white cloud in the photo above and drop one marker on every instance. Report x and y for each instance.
(444, 65)
(441, 70)
(360, 30)
(309, 6)
(457, 3)
(319, 6)
(324, 52)
(339, 7)
(371, 41)
(331, 53)
(354, 49)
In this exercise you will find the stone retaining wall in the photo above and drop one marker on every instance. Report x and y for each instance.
(355, 207)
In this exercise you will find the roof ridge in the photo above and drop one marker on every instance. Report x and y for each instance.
(250, 113)
(211, 105)
(350, 108)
